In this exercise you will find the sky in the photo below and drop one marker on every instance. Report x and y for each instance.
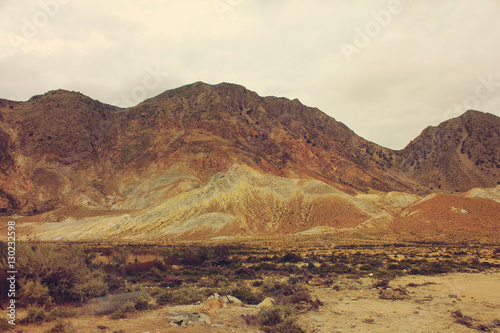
(385, 68)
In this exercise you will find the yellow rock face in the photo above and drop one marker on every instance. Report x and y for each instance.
(239, 202)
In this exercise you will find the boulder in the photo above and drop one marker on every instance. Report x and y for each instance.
(189, 319)
(266, 303)
(234, 300)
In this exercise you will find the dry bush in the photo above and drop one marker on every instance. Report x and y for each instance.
(182, 295)
(65, 273)
(33, 292)
(393, 294)
(461, 319)
(58, 313)
(277, 319)
(290, 293)
(246, 294)
(5, 326)
(129, 306)
(36, 315)
(61, 327)
(291, 257)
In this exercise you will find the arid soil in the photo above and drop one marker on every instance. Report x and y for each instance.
(349, 306)
(427, 308)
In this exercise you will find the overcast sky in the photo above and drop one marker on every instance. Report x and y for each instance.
(387, 69)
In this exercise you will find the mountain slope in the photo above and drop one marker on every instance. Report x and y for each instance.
(63, 148)
(458, 155)
(204, 161)
(240, 202)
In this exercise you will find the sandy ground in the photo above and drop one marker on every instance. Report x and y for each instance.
(428, 308)
(353, 306)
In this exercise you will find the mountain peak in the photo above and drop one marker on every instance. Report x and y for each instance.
(457, 155)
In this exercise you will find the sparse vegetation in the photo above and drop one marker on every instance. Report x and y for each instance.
(36, 315)
(277, 319)
(48, 273)
(185, 276)
(62, 327)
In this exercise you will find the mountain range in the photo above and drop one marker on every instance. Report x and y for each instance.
(205, 161)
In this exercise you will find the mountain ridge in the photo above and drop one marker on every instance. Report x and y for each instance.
(64, 148)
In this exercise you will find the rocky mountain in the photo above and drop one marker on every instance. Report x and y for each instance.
(459, 154)
(64, 148)
(219, 160)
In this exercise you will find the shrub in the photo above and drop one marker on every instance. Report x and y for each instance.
(245, 294)
(120, 257)
(61, 313)
(180, 296)
(245, 272)
(129, 306)
(36, 315)
(187, 295)
(33, 292)
(278, 318)
(121, 313)
(61, 327)
(366, 267)
(118, 314)
(94, 285)
(264, 266)
(64, 273)
(393, 294)
(5, 326)
(301, 301)
(290, 257)
(162, 296)
(200, 255)
(382, 284)
(142, 304)
(172, 281)
(341, 268)
(277, 288)
(461, 319)
(431, 269)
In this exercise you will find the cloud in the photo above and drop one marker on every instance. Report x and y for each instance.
(425, 61)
